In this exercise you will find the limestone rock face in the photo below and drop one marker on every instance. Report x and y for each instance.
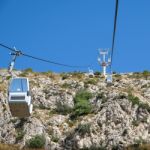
(33, 126)
(119, 115)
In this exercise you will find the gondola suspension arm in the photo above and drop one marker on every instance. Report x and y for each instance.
(15, 54)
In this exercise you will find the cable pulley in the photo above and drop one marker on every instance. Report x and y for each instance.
(15, 54)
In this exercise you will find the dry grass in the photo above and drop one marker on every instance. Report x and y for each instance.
(8, 147)
(14, 147)
(139, 147)
(2, 87)
(52, 75)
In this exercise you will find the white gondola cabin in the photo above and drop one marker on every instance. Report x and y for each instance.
(109, 78)
(19, 98)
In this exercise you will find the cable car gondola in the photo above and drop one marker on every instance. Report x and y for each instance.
(109, 78)
(19, 98)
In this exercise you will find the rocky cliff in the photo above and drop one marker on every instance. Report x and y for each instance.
(78, 111)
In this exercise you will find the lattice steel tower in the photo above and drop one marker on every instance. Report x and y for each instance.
(104, 60)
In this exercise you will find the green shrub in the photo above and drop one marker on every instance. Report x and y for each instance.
(8, 77)
(83, 107)
(51, 75)
(114, 72)
(115, 147)
(78, 75)
(46, 73)
(122, 96)
(20, 136)
(136, 101)
(81, 103)
(145, 106)
(23, 74)
(28, 70)
(97, 73)
(21, 123)
(118, 76)
(83, 129)
(102, 97)
(64, 76)
(66, 85)
(82, 95)
(63, 108)
(135, 122)
(90, 81)
(133, 99)
(14, 120)
(146, 86)
(41, 106)
(146, 74)
(136, 75)
(55, 139)
(4, 107)
(125, 132)
(37, 141)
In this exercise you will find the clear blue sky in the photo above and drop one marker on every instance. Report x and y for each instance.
(69, 31)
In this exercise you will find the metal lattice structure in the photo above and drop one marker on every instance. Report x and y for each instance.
(104, 60)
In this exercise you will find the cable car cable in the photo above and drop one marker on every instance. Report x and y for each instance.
(114, 31)
(41, 59)
(52, 62)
